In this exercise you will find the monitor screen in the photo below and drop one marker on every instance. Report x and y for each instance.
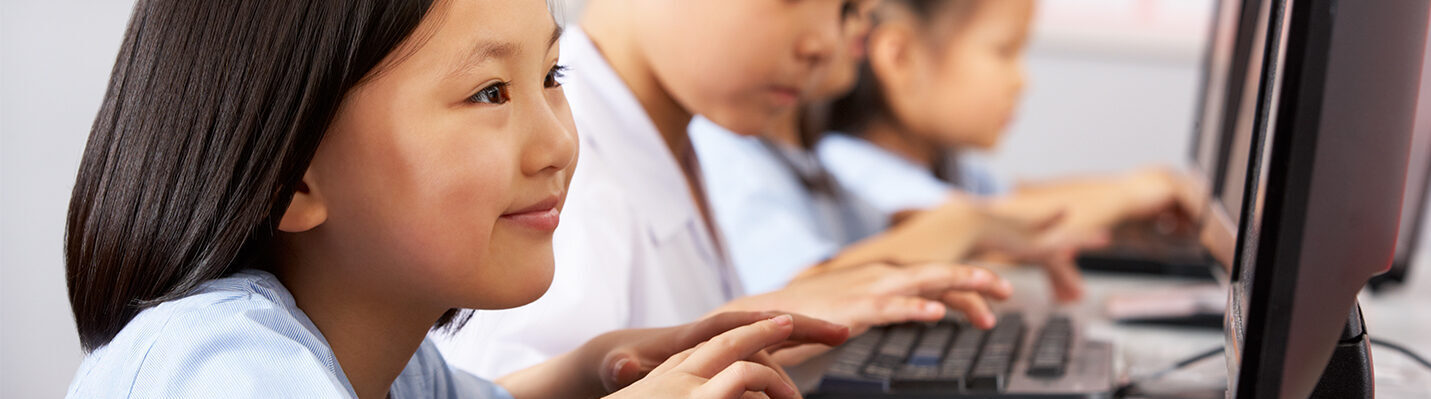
(1216, 88)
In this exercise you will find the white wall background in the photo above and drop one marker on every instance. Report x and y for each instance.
(55, 58)
(1111, 92)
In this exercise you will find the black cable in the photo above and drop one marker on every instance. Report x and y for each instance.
(1404, 350)
(1128, 387)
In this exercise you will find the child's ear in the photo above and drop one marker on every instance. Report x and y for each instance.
(307, 209)
(890, 57)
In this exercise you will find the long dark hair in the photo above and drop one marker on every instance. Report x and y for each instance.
(866, 103)
(212, 115)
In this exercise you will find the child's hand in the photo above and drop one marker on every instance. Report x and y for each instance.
(731, 365)
(1154, 190)
(880, 293)
(1041, 242)
(733, 356)
(631, 354)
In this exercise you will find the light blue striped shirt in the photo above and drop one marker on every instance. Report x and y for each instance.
(243, 336)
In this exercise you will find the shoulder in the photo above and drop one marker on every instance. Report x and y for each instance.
(233, 337)
(738, 169)
(881, 178)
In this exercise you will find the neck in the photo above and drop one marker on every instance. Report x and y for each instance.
(787, 128)
(897, 140)
(606, 24)
(371, 330)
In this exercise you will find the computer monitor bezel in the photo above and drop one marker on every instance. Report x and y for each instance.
(1322, 205)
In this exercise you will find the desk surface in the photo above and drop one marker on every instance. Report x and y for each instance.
(1398, 315)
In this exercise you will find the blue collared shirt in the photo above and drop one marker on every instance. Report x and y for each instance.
(774, 220)
(893, 184)
(243, 336)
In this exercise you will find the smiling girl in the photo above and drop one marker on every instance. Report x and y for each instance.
(639, 246)
(281, 199)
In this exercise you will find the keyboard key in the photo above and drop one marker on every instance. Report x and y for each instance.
(990, 370)
(931, 345)
(893, 351)
(961, 355)
(847, 372)
(1051, 349)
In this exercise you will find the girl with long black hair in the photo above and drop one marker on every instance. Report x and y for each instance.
(280, 198)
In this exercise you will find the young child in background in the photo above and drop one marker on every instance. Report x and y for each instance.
(346, 175)
(781, 213)
(946, 75)
(638, 247)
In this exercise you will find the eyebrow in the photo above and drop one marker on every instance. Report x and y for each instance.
(488, 50)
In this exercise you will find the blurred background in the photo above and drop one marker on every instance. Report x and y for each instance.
(1101, 71)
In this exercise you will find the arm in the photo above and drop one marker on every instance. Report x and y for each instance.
(946, 233)
(1098, 203)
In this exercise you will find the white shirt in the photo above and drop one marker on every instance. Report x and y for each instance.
(243, 336)
(894, 184)
(632, 250)
(772, 224)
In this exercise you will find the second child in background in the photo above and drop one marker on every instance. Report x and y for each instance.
(944, 76)
(781, 213)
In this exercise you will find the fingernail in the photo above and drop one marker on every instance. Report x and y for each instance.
(790, 390)
(1006, 286)
(933, 308)
(979, 276)
(783, 320)
(616, 369)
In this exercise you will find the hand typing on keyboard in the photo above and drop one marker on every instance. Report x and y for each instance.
(730, 365)
(878, 294)
(722, 356)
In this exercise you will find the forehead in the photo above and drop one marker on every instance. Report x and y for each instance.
(455, 32)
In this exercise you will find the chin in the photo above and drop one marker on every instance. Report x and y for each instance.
(747, 122)
(516, 295)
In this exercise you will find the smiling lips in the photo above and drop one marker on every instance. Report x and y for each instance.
(542, 216)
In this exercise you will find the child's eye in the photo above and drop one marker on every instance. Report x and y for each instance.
(494, 94)
(554, 76)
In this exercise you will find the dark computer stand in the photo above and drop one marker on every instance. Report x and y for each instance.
(1348, 374)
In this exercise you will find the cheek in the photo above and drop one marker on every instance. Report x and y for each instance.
(972, 102)
(724, 70)
(422, 196)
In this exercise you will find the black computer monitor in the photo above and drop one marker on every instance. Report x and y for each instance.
(1235, 138)
(1418, 189)
(1328, 155)
(1226, 63)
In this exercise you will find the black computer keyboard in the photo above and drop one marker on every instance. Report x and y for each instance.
(953, 359)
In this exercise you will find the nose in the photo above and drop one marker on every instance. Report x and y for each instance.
(818, 43)
(552, 146)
